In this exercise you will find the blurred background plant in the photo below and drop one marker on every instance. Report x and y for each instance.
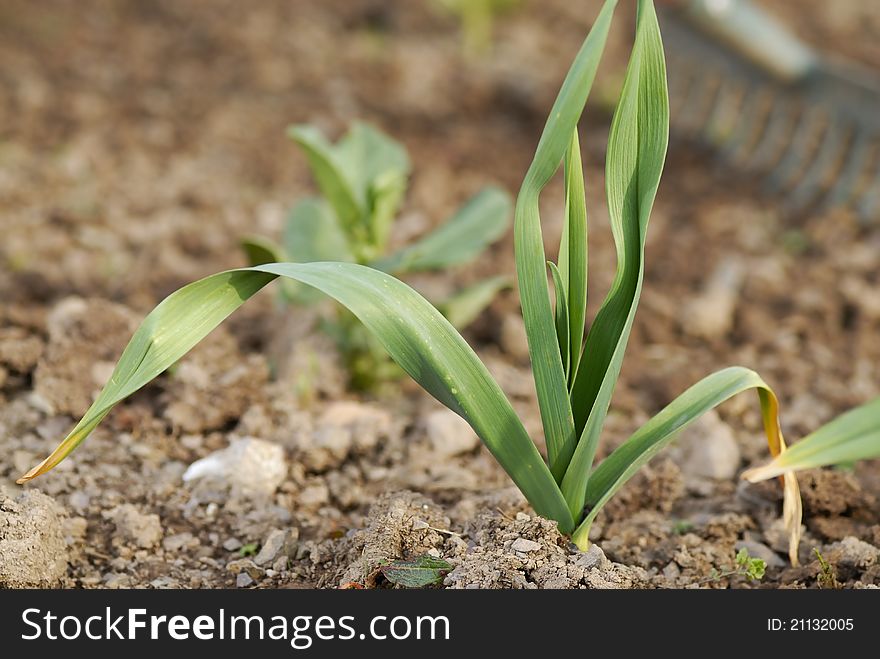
(362, 180)
(476, 18)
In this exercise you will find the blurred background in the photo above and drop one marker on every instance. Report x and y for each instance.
(140, 140)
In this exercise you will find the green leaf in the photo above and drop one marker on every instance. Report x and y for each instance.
(462, 238)
(329, 173)
(663, 428)
(384, 197)
(462, 308)
(259, 250)
(562, 328)
(550, 380)
(414, 333)
(368, 155)
(378, 167)
(636, 152)
(573, 252)
(418, 573)
(312, 233)
(852, 436)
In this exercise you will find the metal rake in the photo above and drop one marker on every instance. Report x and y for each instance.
(768, 103)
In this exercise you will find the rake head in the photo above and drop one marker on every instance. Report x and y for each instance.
(767, 103)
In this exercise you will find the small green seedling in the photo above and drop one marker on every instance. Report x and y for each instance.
(574, 376)
(362, 179)
(827, 577)
(682, 526)
(477, 18)
(249, 549)
(745, 566)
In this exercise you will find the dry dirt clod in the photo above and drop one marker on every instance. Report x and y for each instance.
(388, 535)
(134, 527)
(33, 552)
(852, 553)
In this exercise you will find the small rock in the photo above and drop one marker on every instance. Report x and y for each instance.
(593, 557)
(114, 581)
(342, 428)
(314, 495)
(709, 449)
(79, 501)
(33, 551)
(760, 550)
(450, 435)
(249, 466)
(134, 527)
(243, 580)
(367, 424)
(272, 547)
(672, 572)
(523, 545)
(165, 582)
(246, 565)
(179, 541)
(710, 315)
(232, 544)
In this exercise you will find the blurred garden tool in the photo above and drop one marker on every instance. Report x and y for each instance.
(768, 103)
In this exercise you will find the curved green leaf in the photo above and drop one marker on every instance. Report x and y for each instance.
(330, 175)
(476, 225)
(663, 428)
(368, 155)
(415, 334)
(550, 380)
(854, 435)
(636, 153)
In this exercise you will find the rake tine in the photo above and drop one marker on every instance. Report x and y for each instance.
(826, 156)
(768, 150)
(851, 172)
(869, 205)
(715, 128)
(699, 99)
(748, 126)
(796, 155)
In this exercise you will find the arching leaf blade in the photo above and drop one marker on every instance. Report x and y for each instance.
(416, 335)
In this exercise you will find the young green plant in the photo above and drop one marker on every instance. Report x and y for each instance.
(362, 180)
(476, 18)
(574, 378)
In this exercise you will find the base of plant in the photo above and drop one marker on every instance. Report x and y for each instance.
(581, 536)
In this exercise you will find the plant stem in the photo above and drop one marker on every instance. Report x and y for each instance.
(581, 537)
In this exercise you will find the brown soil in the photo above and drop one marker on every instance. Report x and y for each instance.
(141, 141)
